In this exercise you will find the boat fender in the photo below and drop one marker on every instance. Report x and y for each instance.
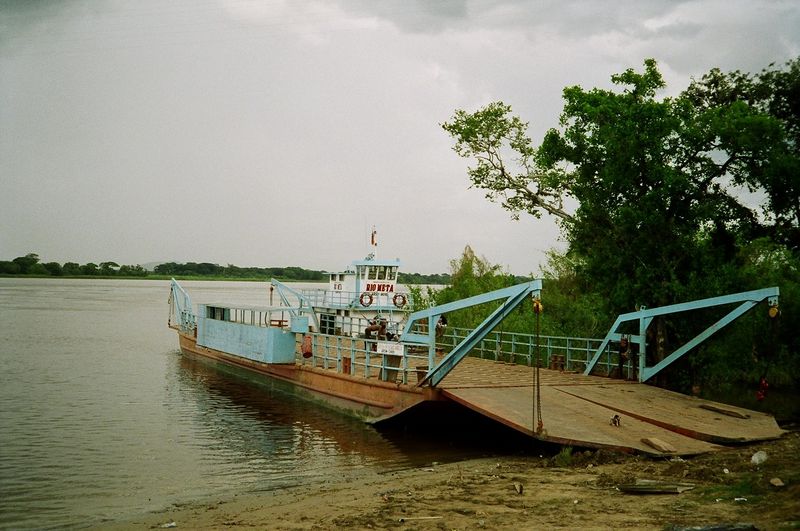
(366, 299)
(305, 348)
(399, 300)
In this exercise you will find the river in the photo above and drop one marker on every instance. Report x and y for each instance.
(101, 418)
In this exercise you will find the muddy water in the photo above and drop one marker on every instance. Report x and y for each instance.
(102, 418)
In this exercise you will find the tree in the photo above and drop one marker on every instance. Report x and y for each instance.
(9, 268)
(487, 135)
(657, 218)
(26, 262)
(470, 275)
(132, 271)
(72, 269)
(54, 269)
(89, 269)
(108, 268)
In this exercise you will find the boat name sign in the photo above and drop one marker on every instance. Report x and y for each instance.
(387, 288)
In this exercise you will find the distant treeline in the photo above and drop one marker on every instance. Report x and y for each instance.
(30, 264)
(287, 273)
(205, 269)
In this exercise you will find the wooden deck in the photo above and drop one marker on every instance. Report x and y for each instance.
(577, 410)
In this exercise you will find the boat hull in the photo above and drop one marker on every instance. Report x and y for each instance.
(370, 400)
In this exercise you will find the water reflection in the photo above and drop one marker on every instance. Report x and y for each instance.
(267, 436)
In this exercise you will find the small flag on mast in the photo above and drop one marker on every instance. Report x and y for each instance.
(374, 240)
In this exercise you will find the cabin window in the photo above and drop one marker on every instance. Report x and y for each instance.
(391, 274)
(372, 273)
(220, 314)
(381, 272)
(341, 278)
(333, 278)
(362, 271)
(327, 323)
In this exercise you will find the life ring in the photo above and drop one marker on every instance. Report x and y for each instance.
(366, 299)
(399, 300)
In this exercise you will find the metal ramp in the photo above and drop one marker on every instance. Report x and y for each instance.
(577, 410)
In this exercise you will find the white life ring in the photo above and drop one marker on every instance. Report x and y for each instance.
(399, 300)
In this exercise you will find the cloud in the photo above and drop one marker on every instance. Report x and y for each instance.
(276, 132)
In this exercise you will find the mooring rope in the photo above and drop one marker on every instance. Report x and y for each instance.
(537, 401)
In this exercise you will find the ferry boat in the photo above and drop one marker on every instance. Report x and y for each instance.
(356, 346)
(339, 344)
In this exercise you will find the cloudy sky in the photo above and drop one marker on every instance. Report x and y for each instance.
(273, 133)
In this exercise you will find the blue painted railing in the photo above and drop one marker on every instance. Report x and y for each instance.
(513, 347)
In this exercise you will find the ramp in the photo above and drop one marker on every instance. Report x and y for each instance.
(577, 410)
(694, 417)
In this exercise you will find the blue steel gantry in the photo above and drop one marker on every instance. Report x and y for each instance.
(514, 295)
(644, 316)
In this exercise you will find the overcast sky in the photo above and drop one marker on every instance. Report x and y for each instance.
(274, 133)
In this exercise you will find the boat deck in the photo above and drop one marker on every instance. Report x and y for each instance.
(577, 410)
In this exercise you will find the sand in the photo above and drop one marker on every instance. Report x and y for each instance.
(568, 491)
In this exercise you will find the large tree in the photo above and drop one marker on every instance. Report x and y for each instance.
(659, 215)
(654, 178)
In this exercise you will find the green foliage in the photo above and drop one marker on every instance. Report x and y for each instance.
(90, 269)
(757, 117)
(661, 216)
(9, 268)
(757, 345)
(569, 311)
(471, 275)
(422, 298)
(71, 269)
(26, 262)
(571, 307)
(30, 265)
(487, 135)
(108, 268)
(563, 458)
(232, 271)
(54, 269)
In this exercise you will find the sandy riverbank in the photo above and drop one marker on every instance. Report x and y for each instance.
(561, 492)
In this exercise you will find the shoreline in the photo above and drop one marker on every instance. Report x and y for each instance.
(577, 490)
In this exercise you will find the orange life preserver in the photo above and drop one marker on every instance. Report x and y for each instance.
(366, 299)
(399, 300)
(306, 348)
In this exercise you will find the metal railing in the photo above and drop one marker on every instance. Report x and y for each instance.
(568, 353)
(364, 358)
(361, 357)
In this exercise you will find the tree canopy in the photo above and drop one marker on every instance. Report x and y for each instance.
(672, 194)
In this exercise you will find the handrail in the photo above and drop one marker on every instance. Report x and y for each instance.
(516, 347)
(181, 307)
(283, 289)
